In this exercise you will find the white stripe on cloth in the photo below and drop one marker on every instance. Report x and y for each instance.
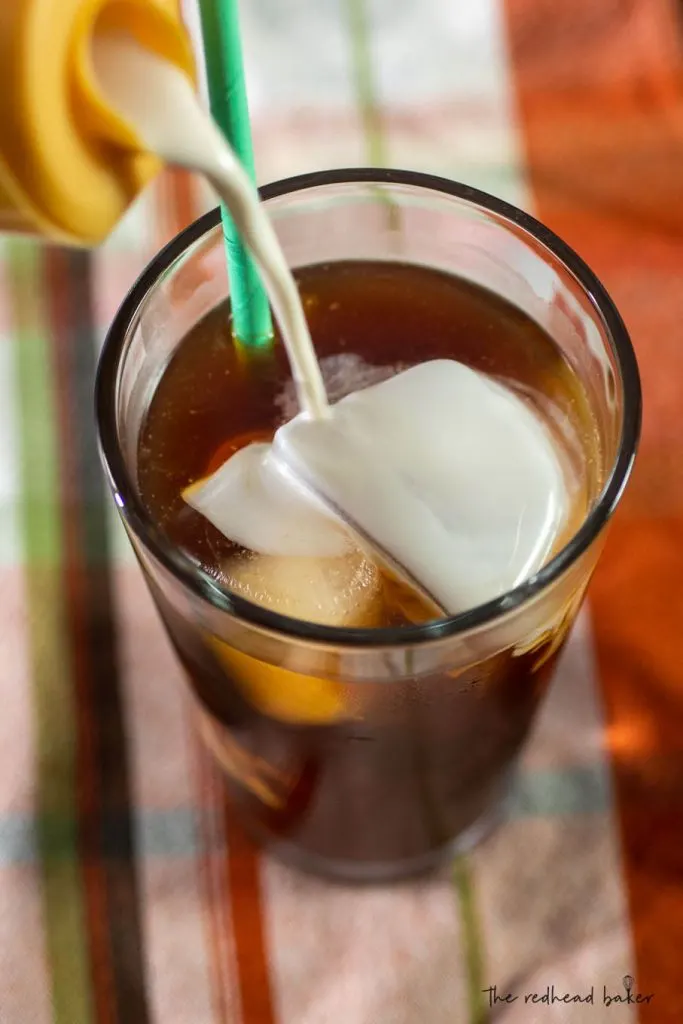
(175, 946)
(10, 485)
(24, 977)
(444, 83)
(359, 955)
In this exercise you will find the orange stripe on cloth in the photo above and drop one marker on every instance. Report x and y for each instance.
(215, 895)
(600, 92)
(246, 902)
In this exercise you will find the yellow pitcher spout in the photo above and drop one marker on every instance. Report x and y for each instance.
(69, 166)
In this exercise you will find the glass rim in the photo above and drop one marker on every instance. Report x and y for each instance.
(202, 585)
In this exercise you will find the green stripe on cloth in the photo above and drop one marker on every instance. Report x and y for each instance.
(472, 942)
(364, 82)
(50, 669)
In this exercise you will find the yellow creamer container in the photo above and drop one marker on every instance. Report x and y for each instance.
(69, 166)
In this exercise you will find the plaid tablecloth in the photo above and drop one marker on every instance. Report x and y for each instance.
(128, 893)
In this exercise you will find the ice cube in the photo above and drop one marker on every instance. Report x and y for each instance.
(344, 591)
(253, 503)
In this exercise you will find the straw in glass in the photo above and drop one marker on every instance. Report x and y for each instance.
(252, 323)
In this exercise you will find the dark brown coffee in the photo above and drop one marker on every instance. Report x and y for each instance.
(346, 791)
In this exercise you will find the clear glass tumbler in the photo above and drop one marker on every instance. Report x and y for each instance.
(370, 754)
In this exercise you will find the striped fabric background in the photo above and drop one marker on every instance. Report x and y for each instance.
(128, 893)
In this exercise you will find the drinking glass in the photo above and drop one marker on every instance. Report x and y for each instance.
(370, 754)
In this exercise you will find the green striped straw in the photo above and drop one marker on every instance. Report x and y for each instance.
(252, 323)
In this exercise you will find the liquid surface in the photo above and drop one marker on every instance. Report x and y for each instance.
(367, 321)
